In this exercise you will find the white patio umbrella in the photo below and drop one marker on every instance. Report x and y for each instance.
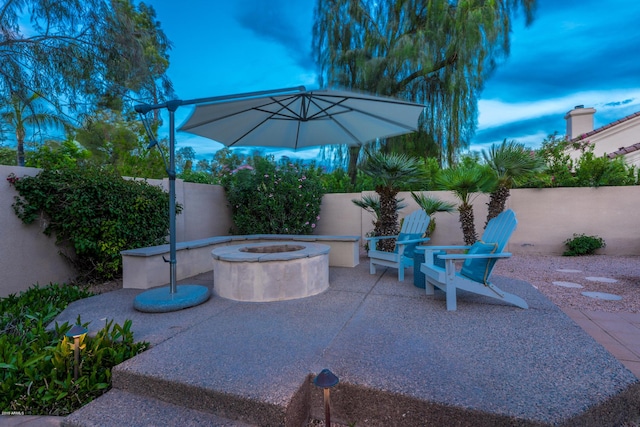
(289, 118)
(304, 119)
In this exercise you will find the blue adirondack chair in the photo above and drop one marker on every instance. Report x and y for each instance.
(440, 270)
(413, 228)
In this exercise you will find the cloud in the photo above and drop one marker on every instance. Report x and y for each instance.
(571, 47)
(619, 103)
(286, 23)
(494, 112)
(531, 121)
(576, 52)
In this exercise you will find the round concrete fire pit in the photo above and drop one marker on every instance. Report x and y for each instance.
(262, 272)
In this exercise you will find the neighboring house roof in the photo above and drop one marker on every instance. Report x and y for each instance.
(616, 139)
(625, 150)
(605, 127)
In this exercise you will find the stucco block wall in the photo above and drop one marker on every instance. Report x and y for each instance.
(198, 201)
(546, 218)
(27, 256)
(338, 216)
(207, 212)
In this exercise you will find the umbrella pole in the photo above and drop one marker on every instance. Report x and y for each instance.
(157, 300)
(172, 198)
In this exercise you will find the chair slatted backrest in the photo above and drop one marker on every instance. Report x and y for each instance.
(413, 227)
(416, 222)
(500, 228)
(494, 239)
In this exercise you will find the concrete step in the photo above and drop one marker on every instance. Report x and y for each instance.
(268, 407)
(118, 408)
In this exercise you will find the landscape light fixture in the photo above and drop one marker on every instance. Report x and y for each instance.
(326, 379)
(76, 332)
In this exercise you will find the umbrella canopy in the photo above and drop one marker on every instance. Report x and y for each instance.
(304, 119)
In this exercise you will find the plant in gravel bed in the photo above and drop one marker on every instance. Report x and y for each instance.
(36, 365)
(581, 244)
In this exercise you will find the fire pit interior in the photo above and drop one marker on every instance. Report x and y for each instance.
(271, 249)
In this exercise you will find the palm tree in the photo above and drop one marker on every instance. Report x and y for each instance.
(510, 162)
(431, 205)
(27, 110)
(465, 182)
(371, 204)
(390, 172)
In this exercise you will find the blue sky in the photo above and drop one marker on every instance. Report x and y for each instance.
(575, 52)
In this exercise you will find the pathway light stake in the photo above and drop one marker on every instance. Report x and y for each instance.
(326, 379)
(76, 332)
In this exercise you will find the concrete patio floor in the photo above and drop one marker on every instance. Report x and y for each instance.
(402, 360)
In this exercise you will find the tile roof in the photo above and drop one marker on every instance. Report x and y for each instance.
(624, 150)
(610, 125)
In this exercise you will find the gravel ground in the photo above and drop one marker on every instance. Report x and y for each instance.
(542, 270)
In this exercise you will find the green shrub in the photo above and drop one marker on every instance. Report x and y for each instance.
(95, 213)
(271, 197)
(338, 181)
(36, 366)
(587, 170)
(580, 244)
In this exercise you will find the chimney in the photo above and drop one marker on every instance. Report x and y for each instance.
(579, 121)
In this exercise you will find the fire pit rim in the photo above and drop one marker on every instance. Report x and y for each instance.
(234, 253)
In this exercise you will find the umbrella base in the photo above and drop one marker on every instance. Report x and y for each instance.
(161, 300)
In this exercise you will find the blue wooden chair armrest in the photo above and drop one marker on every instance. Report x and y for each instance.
(376, 238)
(442, 248)
(412, 241)
(474, 256)
(403, 244)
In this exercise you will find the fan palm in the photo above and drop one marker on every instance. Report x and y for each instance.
(465, 182)
(371, 204)
(510, 162)
(390, 171)
(431, 205)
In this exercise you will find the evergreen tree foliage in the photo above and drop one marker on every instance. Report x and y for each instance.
(437, 52)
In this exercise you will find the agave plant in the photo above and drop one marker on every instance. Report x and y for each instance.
(389, 171)
(431, 205)
(510, 162)
(465, 182)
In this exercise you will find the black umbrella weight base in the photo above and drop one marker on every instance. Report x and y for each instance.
(161, 300)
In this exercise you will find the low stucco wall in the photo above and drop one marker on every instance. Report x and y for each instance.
(205, 210)
(145, 268)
